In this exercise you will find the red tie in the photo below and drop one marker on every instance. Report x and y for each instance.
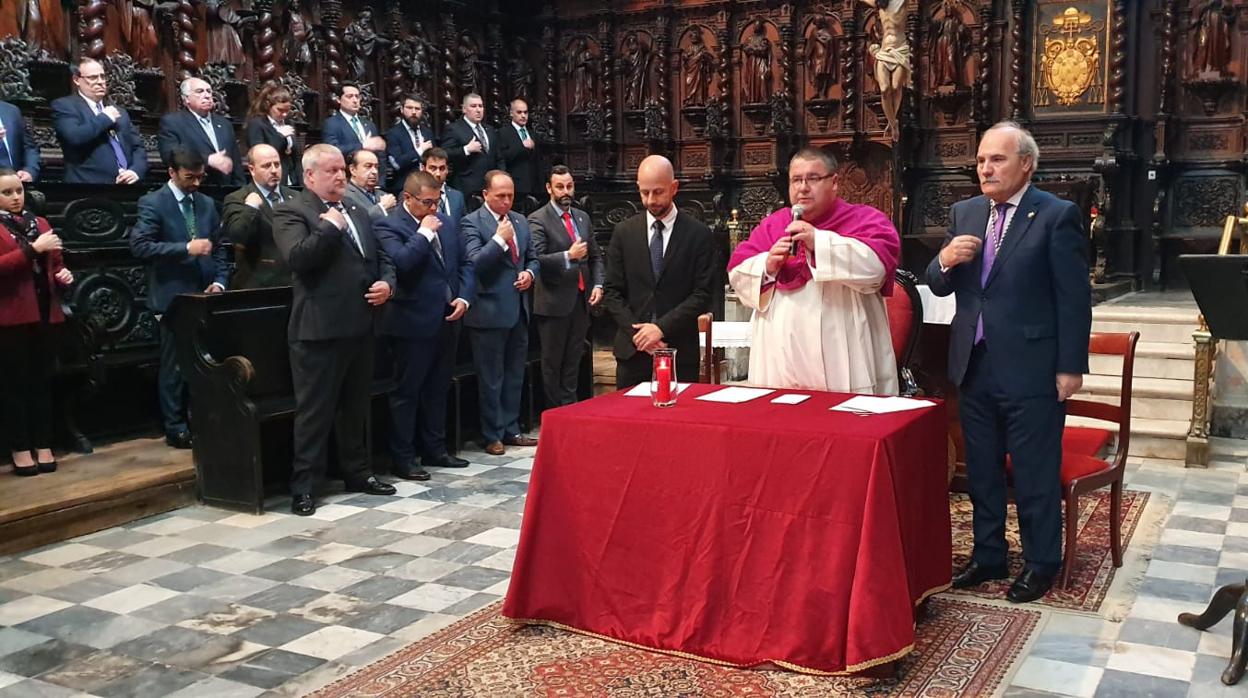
(511, 245)
(567, 223)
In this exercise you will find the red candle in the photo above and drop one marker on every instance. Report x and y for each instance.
(663, 376)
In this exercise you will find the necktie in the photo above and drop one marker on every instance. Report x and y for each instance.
(991, 246)
(524, 134)
(481, 136)
(567, 223)
(274, 198)
(656, 250)
(444, 205)
(206, 124)
(122, 162)
(6, 159)
(511, 245)
(416, 138)
(355, 238)
(359, 129)
(188, 214)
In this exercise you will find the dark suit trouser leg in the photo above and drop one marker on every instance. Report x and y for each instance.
(633, 370)
(171, 389)
(431, 423)
(488, 350)
(413, 358)
(317, 369)
(515, 354)
(563, 343)
(1030, 429)
(352, 420)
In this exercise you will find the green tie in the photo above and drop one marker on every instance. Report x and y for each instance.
(188, 213)
(359, 130)
(524, 134)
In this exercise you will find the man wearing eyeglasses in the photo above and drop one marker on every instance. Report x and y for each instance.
(436, 283)
(816, 275)
(99, 141)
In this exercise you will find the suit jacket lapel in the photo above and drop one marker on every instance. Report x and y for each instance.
(171, 202)
(672, 241)
(1019, 225)
(193, 122)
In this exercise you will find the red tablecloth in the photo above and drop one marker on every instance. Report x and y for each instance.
(737, 533)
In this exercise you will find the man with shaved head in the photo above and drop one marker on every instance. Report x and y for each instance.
(660, 278)
(199, 129)
(247, 221)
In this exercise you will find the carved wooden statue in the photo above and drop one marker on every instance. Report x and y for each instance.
(43, 27)
(519, 71)
(950, 48)
(1211, 40)
(636, 63)
(821, 58)
(361, 41)
(297, 53)
(892, 60)
(420, 67)
(698, 65)
(138, 29)
(582, 70)
(223, 22)
(756, 73)
(469, 77)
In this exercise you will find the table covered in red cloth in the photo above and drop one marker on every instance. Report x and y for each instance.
(737, 533)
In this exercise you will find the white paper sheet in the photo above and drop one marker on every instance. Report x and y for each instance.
(643, 390)
(736, 394)
(790, 399)
(871, 404)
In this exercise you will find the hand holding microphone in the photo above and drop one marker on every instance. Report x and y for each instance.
(798, 210)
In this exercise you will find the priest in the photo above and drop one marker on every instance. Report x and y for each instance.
(815, 275)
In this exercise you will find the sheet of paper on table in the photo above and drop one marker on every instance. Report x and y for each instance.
(872, 404)
(643, 390)
(736, 394)
(790, 399)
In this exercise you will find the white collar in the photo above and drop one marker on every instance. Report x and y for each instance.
(668, 221)
(349, 117)
(559, 211)
(1015, 200)
(518, 127)
(178, 194)
(496, 216)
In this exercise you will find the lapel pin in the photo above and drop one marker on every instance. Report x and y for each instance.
(1031, 214)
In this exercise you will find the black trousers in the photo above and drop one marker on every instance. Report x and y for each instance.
(1030, 430)
(170, 387)
(418, 403)
(563, 344)
(333, 381)
(28, 356)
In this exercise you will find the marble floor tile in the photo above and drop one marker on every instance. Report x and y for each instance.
(1058, 677)
(1153, 661)
(331, 642)
(131, 599)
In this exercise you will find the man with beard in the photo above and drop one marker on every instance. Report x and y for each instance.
(407, 142)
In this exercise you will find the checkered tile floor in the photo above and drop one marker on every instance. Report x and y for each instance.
(204, 602)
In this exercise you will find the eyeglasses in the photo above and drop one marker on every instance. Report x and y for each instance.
(429, 203)
(93, 78)
(812, 180)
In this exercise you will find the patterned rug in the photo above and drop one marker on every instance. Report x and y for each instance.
(962, 649)
(1094, 571)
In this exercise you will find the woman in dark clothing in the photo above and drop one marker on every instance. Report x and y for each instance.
(32, 277)
(267, 123)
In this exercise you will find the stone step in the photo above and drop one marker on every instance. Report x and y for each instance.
(1149, 407)
(1159, 447)
(1177, 333)
(1145, 366)
(1164, 388)
(1140, 426)
(1145, 314)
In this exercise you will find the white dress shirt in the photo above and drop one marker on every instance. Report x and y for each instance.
(668, 221)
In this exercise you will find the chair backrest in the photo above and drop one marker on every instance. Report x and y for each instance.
(1112, 344)
(706, 368)
(905, 318)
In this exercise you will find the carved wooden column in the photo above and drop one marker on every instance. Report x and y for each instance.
(1161, 150)
(397, 61)
(91, 14)
(1118, 59)
(266, 42)
(1018, 9)
(782, 110)
(331, 16)
(448, 68)
(606, 43)
(501, 101)
(851, 50)
(657, 114)
(184, 28)
(550, 98)
(983, 79)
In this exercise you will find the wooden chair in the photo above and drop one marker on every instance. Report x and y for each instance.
(710, 368)
(905, 319)
(1083, 473)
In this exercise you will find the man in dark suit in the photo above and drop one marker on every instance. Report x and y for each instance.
(178, 233)
(436, 282)
(501, 250)
(340, 279)
(17, 151)
(346, 130)
(570, 283)
(451, 204)
(660, 278)
(473, 147)
(248, 221)
(197, 128)
(99, 142)
(1015, 260)
(407, 142)
(364, 171)
(519, 152)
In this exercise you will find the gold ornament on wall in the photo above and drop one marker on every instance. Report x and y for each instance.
(1070, 62)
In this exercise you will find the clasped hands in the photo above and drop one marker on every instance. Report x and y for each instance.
(799, 231)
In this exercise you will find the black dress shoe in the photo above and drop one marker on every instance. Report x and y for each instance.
(46, 467)
(445, 460)
(1029, 586)
(303, 505)
(371, 486)
(520, 440)
(975, 574)
(25, 470)
(181, 439)
(410, 471)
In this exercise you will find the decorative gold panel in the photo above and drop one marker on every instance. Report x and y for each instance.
(1070, 57)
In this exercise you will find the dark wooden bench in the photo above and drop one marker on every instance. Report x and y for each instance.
(233, 356)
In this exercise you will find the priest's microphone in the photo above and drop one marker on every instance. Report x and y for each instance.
(797, 216)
